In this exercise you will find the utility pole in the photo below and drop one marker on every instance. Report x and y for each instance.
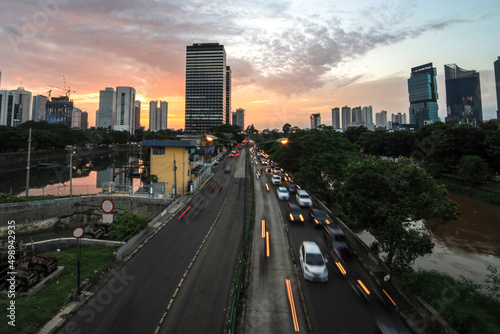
(28, 166)
(175, 180)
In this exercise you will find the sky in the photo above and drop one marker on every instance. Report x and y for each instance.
(289, 58)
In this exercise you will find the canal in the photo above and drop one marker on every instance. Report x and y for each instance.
(52, 176)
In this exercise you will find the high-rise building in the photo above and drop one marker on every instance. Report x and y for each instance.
(346, 117)
(496, 65)
(239, 118)
(206, 86)
(158, 115)
(336, 118)
(228, 93)
(367, 115)
(399, 118)
(59, 110)
(15, 106)
(356, 115)
(125, 109)
(137, 116)
(39, 108)
(315, 120)
(85, 120)
(423, 94)
(381, 118)
(463, 95)
(105, 117)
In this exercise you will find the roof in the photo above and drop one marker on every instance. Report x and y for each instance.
(311, 247)
(177, 143)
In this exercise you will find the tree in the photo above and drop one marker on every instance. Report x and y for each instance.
(287, 128)
(473, 169)
(389, 199)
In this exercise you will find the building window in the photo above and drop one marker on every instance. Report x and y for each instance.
(158, 150)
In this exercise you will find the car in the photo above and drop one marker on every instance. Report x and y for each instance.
(336, 240)
(386, 325)
(312, 262)
(295, 213)
(303, 198)
(292, 187)
(318, 217)
(277, 170)
(276, 180)
(283, 194)
(227, 169)
(269, 169)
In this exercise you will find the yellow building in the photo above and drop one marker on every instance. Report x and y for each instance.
(178, 163)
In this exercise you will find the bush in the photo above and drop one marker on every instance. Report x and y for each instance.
(128, 223)
(460, 302)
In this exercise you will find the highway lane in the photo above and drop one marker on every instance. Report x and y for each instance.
(136, 298)
(333, 306)
(204, 297)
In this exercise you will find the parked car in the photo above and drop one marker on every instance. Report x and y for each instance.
(295, 213)
(336, 240)
(276, 180)
(283, 194)
(303, 198)
(318, 217)
(312, 262)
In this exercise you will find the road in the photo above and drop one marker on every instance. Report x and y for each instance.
(193, 249)
(333, 306)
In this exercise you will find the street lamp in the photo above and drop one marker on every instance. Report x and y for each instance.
(71, 174)
(280, 140)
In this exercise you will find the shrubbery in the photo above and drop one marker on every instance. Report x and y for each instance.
(128, 223)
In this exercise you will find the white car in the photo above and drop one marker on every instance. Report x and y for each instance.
(276, 180)
(303, 198)
(312, 262)
(283, 194)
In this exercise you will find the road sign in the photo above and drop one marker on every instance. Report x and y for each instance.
(78, 232)
(107, 206)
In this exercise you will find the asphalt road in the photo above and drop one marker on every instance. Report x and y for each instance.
(137, 297)
(334, 306)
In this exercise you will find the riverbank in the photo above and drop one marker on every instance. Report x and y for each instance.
(489, 193)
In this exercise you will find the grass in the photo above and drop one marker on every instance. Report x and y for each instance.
(460, 302)
(476, 193)
(33, 312)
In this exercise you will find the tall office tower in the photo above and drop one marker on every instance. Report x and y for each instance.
(15, 106)
(463, 95)
(239, 118)
(125, 109)
(496, 64)
(346, 117)
(381, 118)
(336, 118)
(137, 116)
(105, 117)
(39, 108)
(228, 93)
(85, 120)
(205, 87)
(59, 111)
(367, 115)
(153, 106)
(315, 120)
(423, 94)
(158, 115)
(76, 118)
(399, 118)
(356, 115)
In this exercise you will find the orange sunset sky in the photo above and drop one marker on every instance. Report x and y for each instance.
(288, 58)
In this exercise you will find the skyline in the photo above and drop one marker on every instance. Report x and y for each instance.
(289, 59)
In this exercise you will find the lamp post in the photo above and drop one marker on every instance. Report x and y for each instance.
(71, 174)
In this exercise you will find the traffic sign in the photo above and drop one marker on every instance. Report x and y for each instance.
(78, 232)
(107, 206)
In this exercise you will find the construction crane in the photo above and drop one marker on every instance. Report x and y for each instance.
(67, 91)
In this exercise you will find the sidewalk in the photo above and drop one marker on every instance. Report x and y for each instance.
(268, 308)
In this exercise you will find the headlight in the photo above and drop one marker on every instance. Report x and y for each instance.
(317, 222)
(301, 218)
(291, 217)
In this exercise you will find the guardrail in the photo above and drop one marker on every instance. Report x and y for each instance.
(241, 266)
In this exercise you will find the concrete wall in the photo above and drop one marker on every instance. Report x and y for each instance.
(43, 214)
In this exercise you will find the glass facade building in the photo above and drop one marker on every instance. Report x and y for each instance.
(206, 87)
(463, 95)
(315, 120)
(336, 118)
(422, 90)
